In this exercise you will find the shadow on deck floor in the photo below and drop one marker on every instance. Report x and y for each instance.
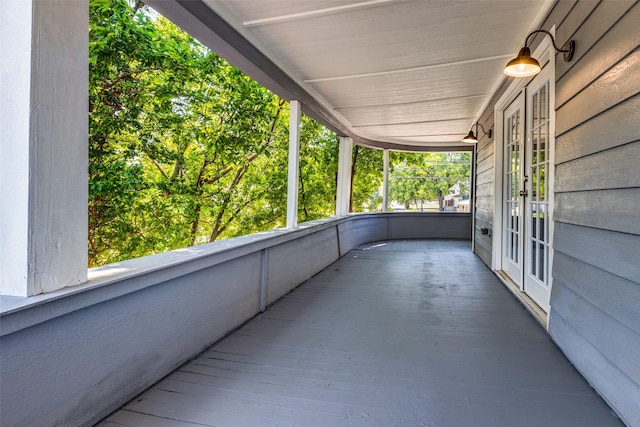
(402, 333)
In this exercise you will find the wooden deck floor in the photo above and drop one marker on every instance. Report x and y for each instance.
(413, 333)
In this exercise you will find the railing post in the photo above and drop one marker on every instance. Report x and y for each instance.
(343, 193)
(43, 145)
(385, 184)
(294, 162)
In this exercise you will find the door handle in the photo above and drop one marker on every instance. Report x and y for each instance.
(524, 193)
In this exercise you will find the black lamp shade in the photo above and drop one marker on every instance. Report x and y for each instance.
(523, 65)
(471, 138)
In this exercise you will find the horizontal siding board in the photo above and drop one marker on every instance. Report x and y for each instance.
(619, 83)
(483, 254)
(576, 18)
(484, 177)
(487, 118)
(485, 215)
(611, 251)
(483, 240)
(485, 203)
(617, 43)
(485, 164)
(482, 138)
(484, 190)
(616, 342)
(615, 210)
(618, 297)
(485, 151)
(614, 168)
(599, 21)
(559, 13)
(616, 388)
(614, 127)
(479, 225)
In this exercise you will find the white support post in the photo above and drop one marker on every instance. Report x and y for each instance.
(385, 182)
(343, 193)
(43, 150)
(294, 162)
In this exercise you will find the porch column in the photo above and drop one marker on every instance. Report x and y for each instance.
(343, 192)
(43, 150)
(385, 182)
(294, 163)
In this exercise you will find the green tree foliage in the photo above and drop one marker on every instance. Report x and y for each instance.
(184, 148)
(420, 177)
(366, 179)
(318, 171)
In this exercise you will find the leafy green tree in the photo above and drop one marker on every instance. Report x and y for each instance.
(420, 177)
(366, 179)
(116, 34)
(184, 148)
(318, 171)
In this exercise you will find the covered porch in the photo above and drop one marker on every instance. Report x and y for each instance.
(402, 318)
(404, 332)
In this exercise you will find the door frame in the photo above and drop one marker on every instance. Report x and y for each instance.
(546, 55)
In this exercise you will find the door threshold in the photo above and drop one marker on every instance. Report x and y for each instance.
(538, 313)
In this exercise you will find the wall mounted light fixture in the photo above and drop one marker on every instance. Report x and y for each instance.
(525, 66)
(471, 138)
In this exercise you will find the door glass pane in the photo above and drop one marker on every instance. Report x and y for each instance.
(534, 145)
(544, 223)
(541, 254)
(512, 179)
(542, 193)
(534, 228)
(544, 110)
(542, 143)
(536, 167)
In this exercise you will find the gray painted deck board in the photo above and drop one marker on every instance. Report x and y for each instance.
(394, 333)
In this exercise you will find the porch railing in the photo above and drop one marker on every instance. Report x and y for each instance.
(82, 352)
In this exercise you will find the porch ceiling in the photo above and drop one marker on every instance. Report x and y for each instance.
(389, 72)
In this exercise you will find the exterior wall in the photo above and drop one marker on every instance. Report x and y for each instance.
(595, 300)
(484, 197)
(83, 352)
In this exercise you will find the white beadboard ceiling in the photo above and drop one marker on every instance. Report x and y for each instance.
(406, 72)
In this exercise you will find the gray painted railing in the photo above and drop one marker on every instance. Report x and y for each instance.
(73, 356)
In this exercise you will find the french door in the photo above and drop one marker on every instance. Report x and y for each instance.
(513, 202)
(526, 191)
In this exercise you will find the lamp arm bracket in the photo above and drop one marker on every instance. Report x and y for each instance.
(488, 133)
(567, 49)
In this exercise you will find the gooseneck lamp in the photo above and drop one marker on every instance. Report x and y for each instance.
(525, 66)
(471, 137)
